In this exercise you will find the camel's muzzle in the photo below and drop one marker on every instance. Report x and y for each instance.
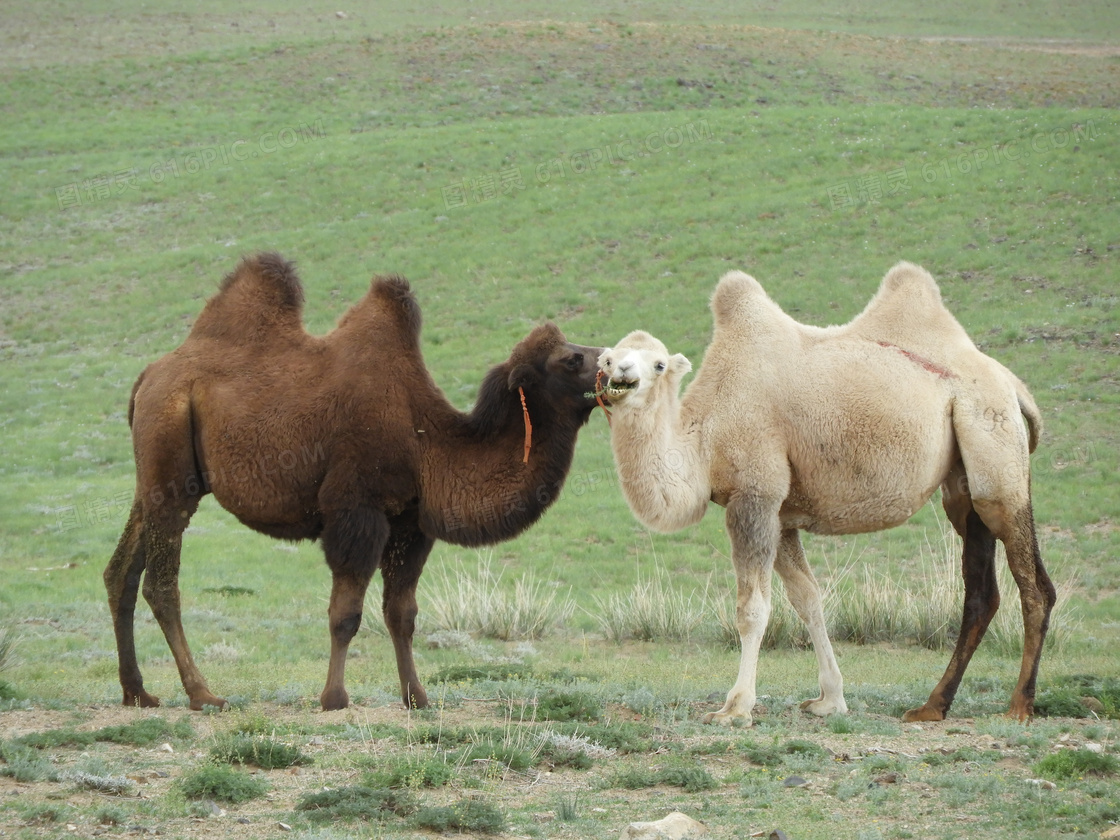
(615, 388)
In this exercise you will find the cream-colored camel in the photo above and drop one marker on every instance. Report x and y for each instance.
(835, 430)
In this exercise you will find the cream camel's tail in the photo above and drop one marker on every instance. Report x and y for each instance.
(1030, 411)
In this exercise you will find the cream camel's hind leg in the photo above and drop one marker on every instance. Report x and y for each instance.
(753, 527)
(805, 595)
(1037, 595)
(994, 450)
(981, 594)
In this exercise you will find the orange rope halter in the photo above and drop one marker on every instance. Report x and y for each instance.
(599, 396)
(528, 426)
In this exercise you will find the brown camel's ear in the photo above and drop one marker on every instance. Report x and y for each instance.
(522, 376)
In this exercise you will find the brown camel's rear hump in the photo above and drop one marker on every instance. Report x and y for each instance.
(261, 297)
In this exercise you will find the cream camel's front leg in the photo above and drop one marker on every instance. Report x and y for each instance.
(753, 527)
(805, 596)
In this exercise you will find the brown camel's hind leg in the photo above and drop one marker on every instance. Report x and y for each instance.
(981, 600)
(401, 565)
(122, 582)
(162, 540)
(352, 542)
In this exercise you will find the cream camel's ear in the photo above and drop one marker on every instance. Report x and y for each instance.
(679, 365)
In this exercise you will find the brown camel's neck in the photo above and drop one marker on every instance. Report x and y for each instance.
(477, 487)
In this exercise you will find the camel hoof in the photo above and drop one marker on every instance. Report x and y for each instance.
(141, 700)
(923, 714)
(332, 701)
(823, 708)
(732, 719)
(208, 701)
(1019, 715)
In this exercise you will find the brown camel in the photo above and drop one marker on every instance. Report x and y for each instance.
(344, 438)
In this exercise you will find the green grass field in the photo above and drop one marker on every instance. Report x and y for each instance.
(599, 165)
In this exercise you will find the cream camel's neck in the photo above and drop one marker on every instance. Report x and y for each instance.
(661, 467)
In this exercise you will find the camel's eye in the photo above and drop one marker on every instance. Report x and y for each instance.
(575, 362)
(659, 367)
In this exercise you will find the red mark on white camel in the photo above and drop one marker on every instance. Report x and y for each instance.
(932, 367)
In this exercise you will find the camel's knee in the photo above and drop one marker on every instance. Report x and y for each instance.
(401, 618)
(344, 629)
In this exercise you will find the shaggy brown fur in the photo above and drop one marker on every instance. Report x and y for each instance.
(344, 438)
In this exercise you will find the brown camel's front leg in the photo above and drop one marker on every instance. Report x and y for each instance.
(122, 582)
(401, 565)
(981, 600)
(352, 542)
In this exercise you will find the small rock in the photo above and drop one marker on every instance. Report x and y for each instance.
(1094, 748)
(778, 834)
(888, 779)
(341, 15)
(795, 781)
(676, 826)
(284, 826)
(1042, 784)
(1112, 833)
(166, 748)
(1092, 704)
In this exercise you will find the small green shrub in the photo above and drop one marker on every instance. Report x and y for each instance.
(691, 777)
(475, 673)
(563, 706)
(39, 814)
(466, 816)
(412, 772)
(623, 737)
(222, 783)
(1080, 696)
(24, 764)
(567, 807)
(1075, 764)
(356, 803)
(262, 752)
(512, 755)
(111, 815)
(142, 733)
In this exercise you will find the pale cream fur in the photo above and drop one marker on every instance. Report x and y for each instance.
(834, 430)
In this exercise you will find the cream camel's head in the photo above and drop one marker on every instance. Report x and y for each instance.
(638, 369)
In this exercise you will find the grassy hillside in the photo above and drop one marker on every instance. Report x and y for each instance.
(600, 166)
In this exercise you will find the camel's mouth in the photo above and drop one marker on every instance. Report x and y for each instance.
(616, 388)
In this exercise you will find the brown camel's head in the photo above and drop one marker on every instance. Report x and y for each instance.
(638, 367)
(554, 374)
